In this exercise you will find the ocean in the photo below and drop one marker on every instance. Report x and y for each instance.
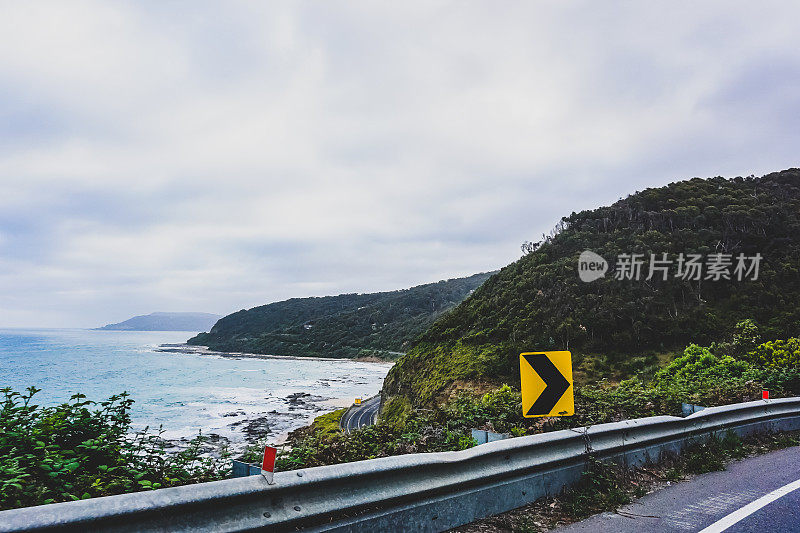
(239, 399)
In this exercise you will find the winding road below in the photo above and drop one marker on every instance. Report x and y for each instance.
(363, 415)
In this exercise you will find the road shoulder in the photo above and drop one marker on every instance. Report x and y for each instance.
(702, 500)
(614, 498)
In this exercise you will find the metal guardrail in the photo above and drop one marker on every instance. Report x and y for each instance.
(420, 492)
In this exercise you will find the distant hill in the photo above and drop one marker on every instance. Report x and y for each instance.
(166, 322)
(349, 325)
(539, 302)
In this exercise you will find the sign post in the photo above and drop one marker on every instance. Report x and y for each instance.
(268, 464)
(546, 384)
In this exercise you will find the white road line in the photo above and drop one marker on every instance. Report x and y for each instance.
(726, 522)
(348, 418)
(363, 412)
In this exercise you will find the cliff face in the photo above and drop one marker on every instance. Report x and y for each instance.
(540, 303)
(348, 325)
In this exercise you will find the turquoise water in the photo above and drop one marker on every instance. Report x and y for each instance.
(183, 392)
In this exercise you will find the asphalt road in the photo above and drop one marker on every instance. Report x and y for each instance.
(361, 415)
(756, 494)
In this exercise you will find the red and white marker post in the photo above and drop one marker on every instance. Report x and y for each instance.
(268, 464)
(765, 395)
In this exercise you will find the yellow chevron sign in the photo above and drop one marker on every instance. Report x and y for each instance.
(546, 384)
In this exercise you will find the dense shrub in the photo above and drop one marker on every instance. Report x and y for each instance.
(81, 449)
(777, 354)
(746, 337)
(782, 381)
(497, 410)
(699, 368)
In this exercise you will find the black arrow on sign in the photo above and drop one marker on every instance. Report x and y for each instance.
(555, 384)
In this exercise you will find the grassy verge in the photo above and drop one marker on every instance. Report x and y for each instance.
(607, 487)
(327, 425)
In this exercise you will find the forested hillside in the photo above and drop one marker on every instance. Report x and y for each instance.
(348, 325)
(540, 303)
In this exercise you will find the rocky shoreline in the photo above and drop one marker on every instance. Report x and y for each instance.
(302, 408)
(248, 428)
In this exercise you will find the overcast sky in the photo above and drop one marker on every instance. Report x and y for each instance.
(213, 156)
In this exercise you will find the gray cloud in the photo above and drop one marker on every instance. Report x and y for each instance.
(214, 156)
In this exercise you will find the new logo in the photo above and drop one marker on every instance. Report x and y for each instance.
(591, 266)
